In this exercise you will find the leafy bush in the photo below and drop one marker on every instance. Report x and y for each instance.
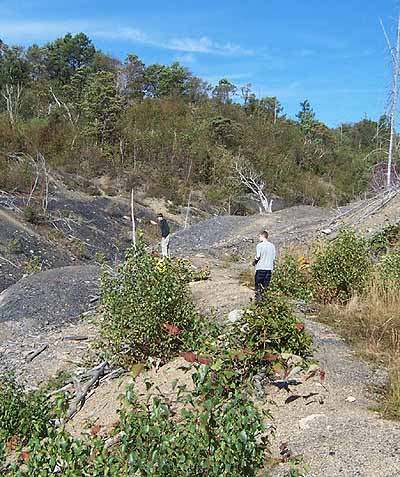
(341, 267)
(31, 215)
(389, 269)
(148, 309)
(22, 414)
(387, 238)
(213, 436)
(270, 326)
(257, 341)
(290, 277)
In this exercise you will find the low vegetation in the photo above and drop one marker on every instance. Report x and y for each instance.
(148, 311)
(148, 315)
(355, 281)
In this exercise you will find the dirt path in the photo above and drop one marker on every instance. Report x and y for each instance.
(337, 433)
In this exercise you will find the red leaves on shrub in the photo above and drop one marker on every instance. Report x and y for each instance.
(299, 326)
(95, 430)
(191, 357)
(172, 329)
(270, 357)
(24, 456)
(12, 443)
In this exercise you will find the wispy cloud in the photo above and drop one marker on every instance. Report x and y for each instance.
(206, 45)
(186, 58)
(44, 30)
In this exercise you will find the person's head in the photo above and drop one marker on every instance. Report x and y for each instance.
(160, 217)
(263, 235)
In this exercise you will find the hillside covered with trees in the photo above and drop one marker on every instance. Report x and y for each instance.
(163, 130)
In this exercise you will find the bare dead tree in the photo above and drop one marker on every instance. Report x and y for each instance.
(253, 181)
(68, 113)
(39, 166)
(395, 57)
(12, 95)
(133, 222)
(188, 210)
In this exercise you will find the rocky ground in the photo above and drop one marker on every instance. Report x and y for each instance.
(334, 431)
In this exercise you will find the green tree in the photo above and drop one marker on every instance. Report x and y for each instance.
(102, 106)
(65, 55)
(14, 67)
(224, 91)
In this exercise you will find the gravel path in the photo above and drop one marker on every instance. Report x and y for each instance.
(336, 433)
(342, 436)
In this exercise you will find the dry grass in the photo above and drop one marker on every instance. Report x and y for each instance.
(372, 324)
(246, 278)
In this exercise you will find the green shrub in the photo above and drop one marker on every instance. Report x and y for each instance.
(213, 436)
(389, 269)
(22, 415)
(271, 326)
(148, 309)
(341, 267)
(257, 341)
(290, 278)
(384, 240)
(31, 214)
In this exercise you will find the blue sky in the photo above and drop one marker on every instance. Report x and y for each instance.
(331, 52)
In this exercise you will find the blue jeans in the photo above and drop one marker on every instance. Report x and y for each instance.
(262, 281)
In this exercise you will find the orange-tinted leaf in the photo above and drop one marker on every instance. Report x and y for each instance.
(204, 360)
(12, 443)
(24, 456)
(270, 357)
(172, 329)
(189, 356)
(95, 430)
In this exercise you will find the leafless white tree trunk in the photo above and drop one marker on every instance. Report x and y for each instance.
(133, 222)
(253, 181)
(12, 95)
(187, 210)
(395, 57)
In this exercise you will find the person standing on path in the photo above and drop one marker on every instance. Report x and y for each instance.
(264, 263)
(165, 235)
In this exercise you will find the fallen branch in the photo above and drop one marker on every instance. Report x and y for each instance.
(75, 338)
(112, 441)
(34, 354)
(8, 261)
(81, 395)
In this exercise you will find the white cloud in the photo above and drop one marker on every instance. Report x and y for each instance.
(186, 58)
(206, 45)
(24, 31)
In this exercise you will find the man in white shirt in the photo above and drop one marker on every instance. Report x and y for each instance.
(264, 263)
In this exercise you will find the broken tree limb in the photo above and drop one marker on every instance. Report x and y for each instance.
(34, 354)
(112, 441)
(79, 399)
(75, 338)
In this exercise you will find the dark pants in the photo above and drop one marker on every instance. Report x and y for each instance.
(262, 281)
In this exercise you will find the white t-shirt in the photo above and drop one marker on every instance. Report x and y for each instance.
(265, 254)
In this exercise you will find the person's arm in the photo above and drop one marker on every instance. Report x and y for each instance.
(257, 257)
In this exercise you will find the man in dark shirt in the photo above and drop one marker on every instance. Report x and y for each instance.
(165, 235)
